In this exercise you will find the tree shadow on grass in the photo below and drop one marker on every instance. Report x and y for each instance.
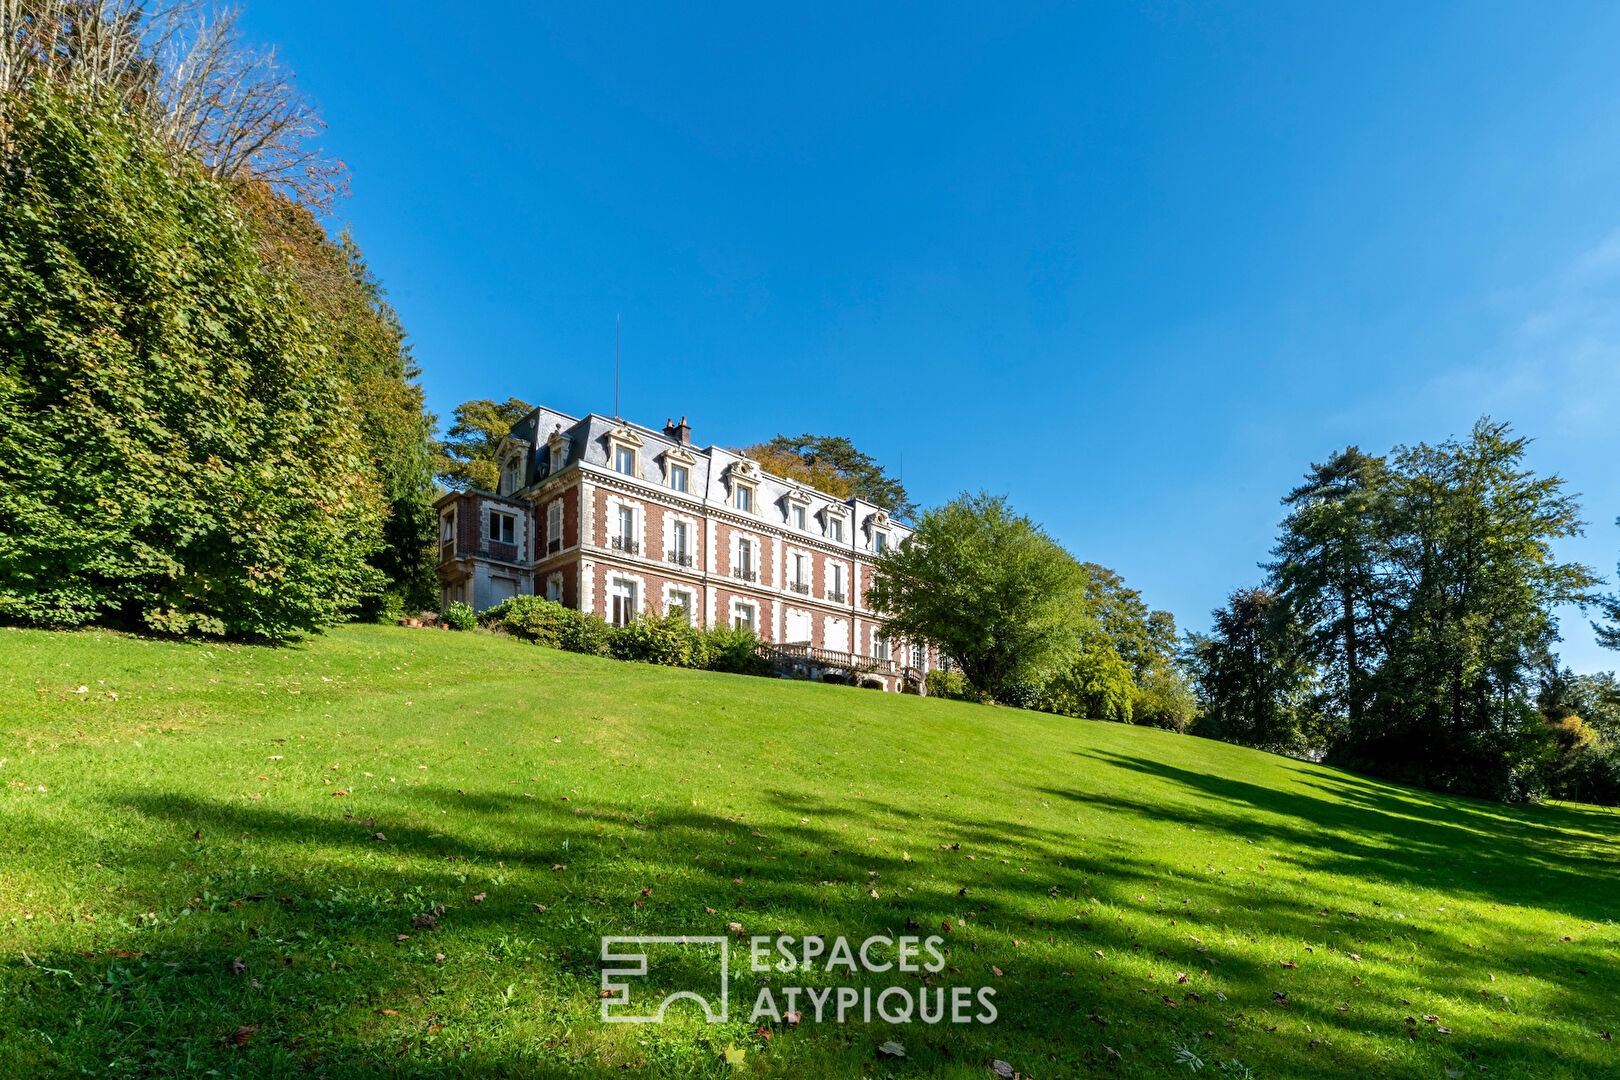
(318, 917)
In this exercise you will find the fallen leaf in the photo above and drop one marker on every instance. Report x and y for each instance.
(389, 1012)
(892, 1049)
(539, 907)
(1005, 1071)
(241, 1035)
(995, 971)
(733, 1056)
(438, 958)
(478, 898)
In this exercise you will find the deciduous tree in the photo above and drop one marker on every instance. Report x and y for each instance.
(1004, 601)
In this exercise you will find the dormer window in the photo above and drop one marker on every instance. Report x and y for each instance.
(835, 529)
(796, 515)
(510, 477)
(624, 451)
(880, 542)
(743, 476)
(743, 498)
(678, 462)
(558, 448)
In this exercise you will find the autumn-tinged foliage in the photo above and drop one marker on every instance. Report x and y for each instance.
(832, 464)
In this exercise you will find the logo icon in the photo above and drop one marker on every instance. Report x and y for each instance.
(627, 961)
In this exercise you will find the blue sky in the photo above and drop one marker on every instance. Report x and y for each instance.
(1135, 265)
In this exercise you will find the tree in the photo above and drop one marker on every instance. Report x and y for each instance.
(1004, 601)
(1254, 684)
(1475, 583)
(1097, 683)
(188, 73)
(467, 454)
(369, 345)
(1144, 639)
(177, 450)
(830, 463)
(1329, 568)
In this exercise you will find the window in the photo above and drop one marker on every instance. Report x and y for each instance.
(744, 499)
(554, 588)
(918, 655)
(744, 616)
(624, 460)
(623, 602)
(502, 527)
(447, 534)
(559, 455)
(745, 560)
(835, 582)
(626, 540)
(680, 544)
(835, 526)
(554, 527)
(678, 477)
(880, 645)
(880, 542)
(800, 581)
(680, 603)
(798, 517)
(509, 477)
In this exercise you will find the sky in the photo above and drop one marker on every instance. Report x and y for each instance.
(1134, 265)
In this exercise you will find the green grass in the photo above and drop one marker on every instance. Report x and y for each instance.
(150, 840)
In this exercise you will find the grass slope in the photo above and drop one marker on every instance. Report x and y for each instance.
(181, 814)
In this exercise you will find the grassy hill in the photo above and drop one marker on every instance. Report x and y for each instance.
(211, 859)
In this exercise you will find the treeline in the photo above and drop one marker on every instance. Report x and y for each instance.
(209, 416)
(1405, 628)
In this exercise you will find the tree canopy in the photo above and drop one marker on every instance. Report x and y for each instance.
(467, 453)
(1414, 596)
(1003, 600)
(177, 450)
(832, 464)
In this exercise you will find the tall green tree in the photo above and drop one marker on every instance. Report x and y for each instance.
(1330, 566)
(1143, 638)
(1471, 547)
(1004, 601)
(832, 464)
(1255, 682)
(467, 453)
(177, 447)
(368, 343)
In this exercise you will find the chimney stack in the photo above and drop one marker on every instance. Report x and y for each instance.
(681, 432)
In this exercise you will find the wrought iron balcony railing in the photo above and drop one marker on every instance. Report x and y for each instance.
(743, 573)
(627, 545)
(680, 558)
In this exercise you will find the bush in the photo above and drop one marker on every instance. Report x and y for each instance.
(736, 651)
(1165, 700)
(671, 641)
(459, 616)
(546, 622)
(947, 684)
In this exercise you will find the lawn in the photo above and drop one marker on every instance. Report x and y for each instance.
(229, 861)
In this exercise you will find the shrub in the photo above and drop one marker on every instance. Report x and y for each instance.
(1097, 684)
(735, 650)
(546, 622)
(459, 616)
(671, 641)
(947, 684)
(1164, 700)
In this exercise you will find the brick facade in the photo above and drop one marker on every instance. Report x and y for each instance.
(619, 491)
